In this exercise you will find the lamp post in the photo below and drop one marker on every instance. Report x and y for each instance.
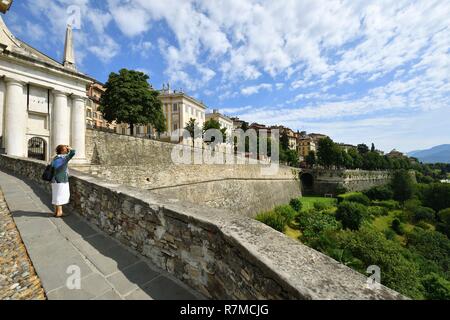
(5, 5)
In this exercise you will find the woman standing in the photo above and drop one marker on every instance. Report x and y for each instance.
(60, 181)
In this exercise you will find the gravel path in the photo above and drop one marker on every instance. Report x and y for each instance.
(18, 279)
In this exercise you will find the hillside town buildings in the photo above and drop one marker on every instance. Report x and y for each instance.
(94, 118)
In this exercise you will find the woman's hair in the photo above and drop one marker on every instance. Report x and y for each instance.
(60, 148)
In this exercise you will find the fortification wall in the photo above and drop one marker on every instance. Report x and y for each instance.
(217, 252)
(148, 164)
(327, 181)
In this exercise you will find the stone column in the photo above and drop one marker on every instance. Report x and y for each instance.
(61, 124)
(79, 129)
(16, 119)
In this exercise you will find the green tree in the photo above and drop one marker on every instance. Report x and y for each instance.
(379, 193)
(193, 129)
(436, 287)
(437, 196)
(373, 149)
(432, 245)
(397, 227)
(129, 98)
(372, 161)
(347, 160)
(214, 124)
(289, 156)
(372, 248)
(311, 159)
(326, 152)
(402, 185)
(357, 160)
(444, 222)
(363, 149)
(351, 214)
(284, 140)
(312, 223)
(296, 204)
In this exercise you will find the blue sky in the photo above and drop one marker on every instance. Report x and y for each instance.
(359, 71)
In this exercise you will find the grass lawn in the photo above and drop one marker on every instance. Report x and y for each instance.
(384, 223)
(308, 202)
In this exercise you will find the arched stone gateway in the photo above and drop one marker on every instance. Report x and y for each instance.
(37, 149)
(307, 180)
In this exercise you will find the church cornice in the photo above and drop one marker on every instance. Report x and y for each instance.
(14, 56)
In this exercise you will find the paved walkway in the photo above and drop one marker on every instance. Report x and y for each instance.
(108, 270)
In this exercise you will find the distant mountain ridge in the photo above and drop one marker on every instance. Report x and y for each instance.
(438, 154)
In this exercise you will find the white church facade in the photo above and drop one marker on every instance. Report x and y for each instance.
(42, 101)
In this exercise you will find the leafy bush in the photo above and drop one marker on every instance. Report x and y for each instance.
(389, 234)
(372, 248)
(272, 219)
(432, 245)
(316, 221)
(436, 287)
(402, 185)
(351, 214)
(444, 216)
(377, 211)
(423, 225)
(424, 214)
(412, 204)
(436, 196)
(296, 204)
(354, 197)
(404, 216)
(444, 225)
(313, 224)
(388, 204)
(398, 227)
(321, 206)
(380, 193)
(286, 212)
(340, 189)
(423, 179)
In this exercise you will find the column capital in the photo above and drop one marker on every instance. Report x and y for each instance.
(59, 93)
(76, 97)
(13, 81)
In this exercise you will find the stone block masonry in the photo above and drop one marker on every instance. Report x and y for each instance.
(147, 164)
(217, 252)
(328, 181)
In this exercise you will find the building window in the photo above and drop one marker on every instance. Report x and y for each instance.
(175, 107)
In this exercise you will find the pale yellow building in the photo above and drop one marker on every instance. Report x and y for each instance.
(224, 122)
(306, 144)
(179, 108)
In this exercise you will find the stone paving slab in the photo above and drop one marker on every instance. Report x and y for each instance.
(18, 279)
(108, 270)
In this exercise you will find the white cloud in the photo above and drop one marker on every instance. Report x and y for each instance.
(248, 91)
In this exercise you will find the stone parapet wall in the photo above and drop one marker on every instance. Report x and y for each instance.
(217, 252)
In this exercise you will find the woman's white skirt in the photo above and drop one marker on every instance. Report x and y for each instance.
(60, 194)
